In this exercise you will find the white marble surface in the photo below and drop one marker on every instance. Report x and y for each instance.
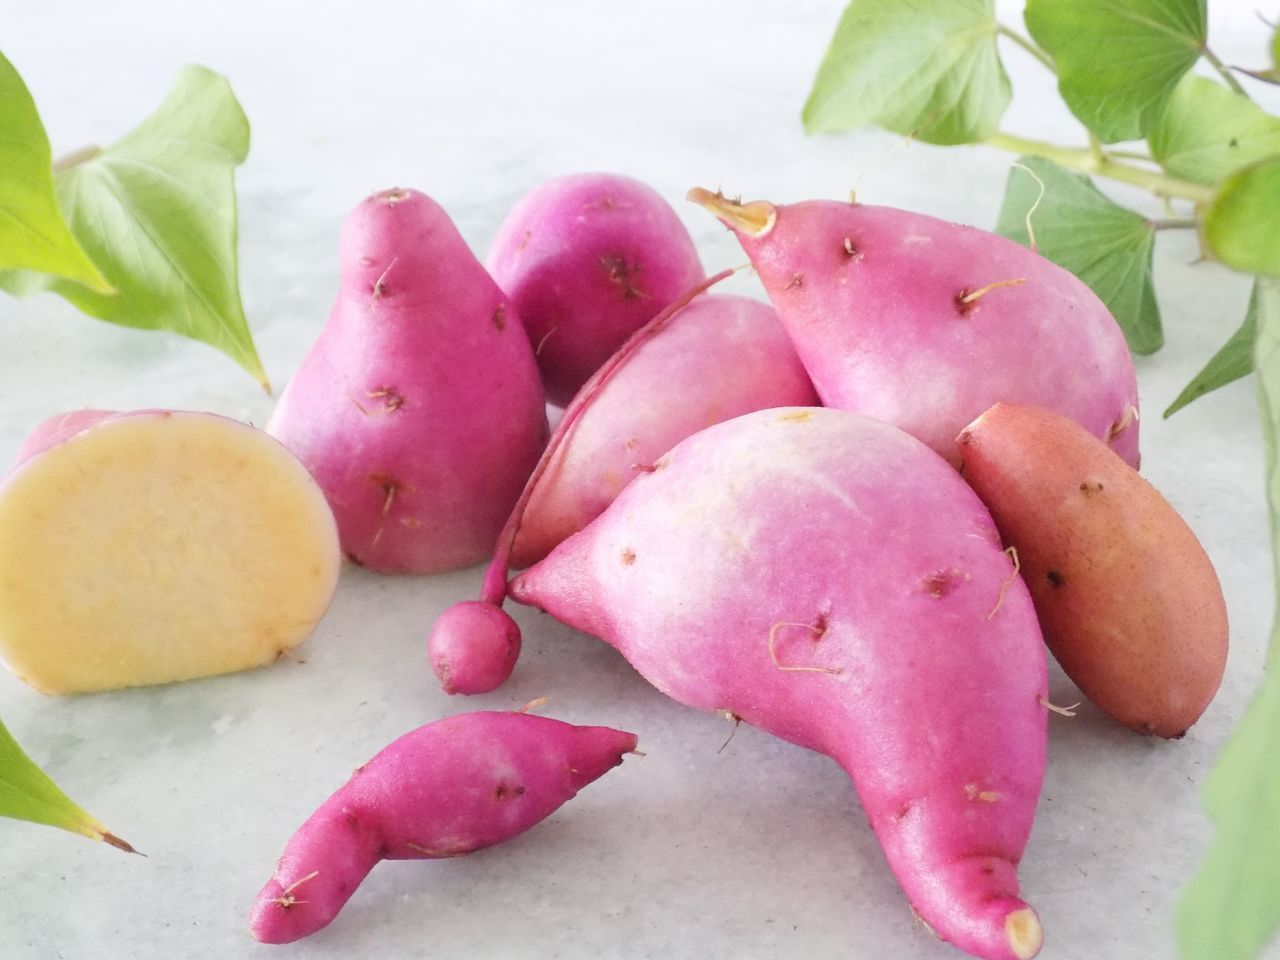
(754, 850)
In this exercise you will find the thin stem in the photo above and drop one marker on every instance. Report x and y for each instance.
(1133, 155)
(1027, 45)
(1095, 150)
(1080, 158)
(1174, 223)
(75, 158)
(1223, 72)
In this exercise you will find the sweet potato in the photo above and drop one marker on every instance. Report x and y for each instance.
(831, 580)
(701, 360)
(154, 546)
(418, 410)
(719, 357)
(1128, 600)
(587, 260)
(444, 790)
(925, 324)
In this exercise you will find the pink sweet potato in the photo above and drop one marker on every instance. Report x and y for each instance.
(446, 789)
(925, 324)
(831, 580)
(587, 260)
(418, 410)
(1128, 600)
(700, 360)
(719, 357)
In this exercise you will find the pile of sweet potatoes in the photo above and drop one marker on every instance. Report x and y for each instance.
(854, 518)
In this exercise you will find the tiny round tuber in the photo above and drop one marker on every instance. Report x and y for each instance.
(473, 647)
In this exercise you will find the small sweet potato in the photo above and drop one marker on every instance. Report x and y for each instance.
(1127, 598)
(587, 259)
(446, 789)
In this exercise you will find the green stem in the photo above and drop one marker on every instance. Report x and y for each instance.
(1226, 74)
(1174, 223)
(1095, 150)
(75, 158)
(1028, 46)
(1082, 159)
(1133, 155)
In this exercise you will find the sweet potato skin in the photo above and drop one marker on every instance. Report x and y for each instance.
(837, 584)
(418, 410)
(443, 790)
(473, 647)
(1127, 597)
(587, 259)
(719, 357)
(57, 428)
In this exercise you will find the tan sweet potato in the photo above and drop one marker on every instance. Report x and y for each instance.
(1128, 600)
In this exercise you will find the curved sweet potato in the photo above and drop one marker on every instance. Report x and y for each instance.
(833, 581)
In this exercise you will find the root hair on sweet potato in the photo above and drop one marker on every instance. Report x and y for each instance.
(1060, 711)
(817, 629)
(1031, 232)
(1012, 554)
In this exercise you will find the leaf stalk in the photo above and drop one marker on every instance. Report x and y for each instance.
(1083, 160)
(1223, 72)
(1028, 46)
(1174, 223)
(1095, 152)
(75, 158)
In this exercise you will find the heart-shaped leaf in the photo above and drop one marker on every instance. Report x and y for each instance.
(923, 68)
(1242, 225)
(1118, 60)
(33, 235)
(1207, 132)
(1102, 243)
(157, 213)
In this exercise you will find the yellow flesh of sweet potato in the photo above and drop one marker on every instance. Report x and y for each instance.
(154, 547)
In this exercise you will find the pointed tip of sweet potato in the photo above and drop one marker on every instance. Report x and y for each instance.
(754, 219)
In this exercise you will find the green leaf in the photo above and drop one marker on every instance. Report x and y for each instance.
(1102, 243)
(1207, 132)
(33, 235)
(1230, 909)
(921, 68)
(27, 793)
(1233, 361)
(157, 213)
(1242, 225)
(1118, 60)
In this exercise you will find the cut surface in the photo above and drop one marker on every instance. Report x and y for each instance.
(155, 547)
(1024, 932)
